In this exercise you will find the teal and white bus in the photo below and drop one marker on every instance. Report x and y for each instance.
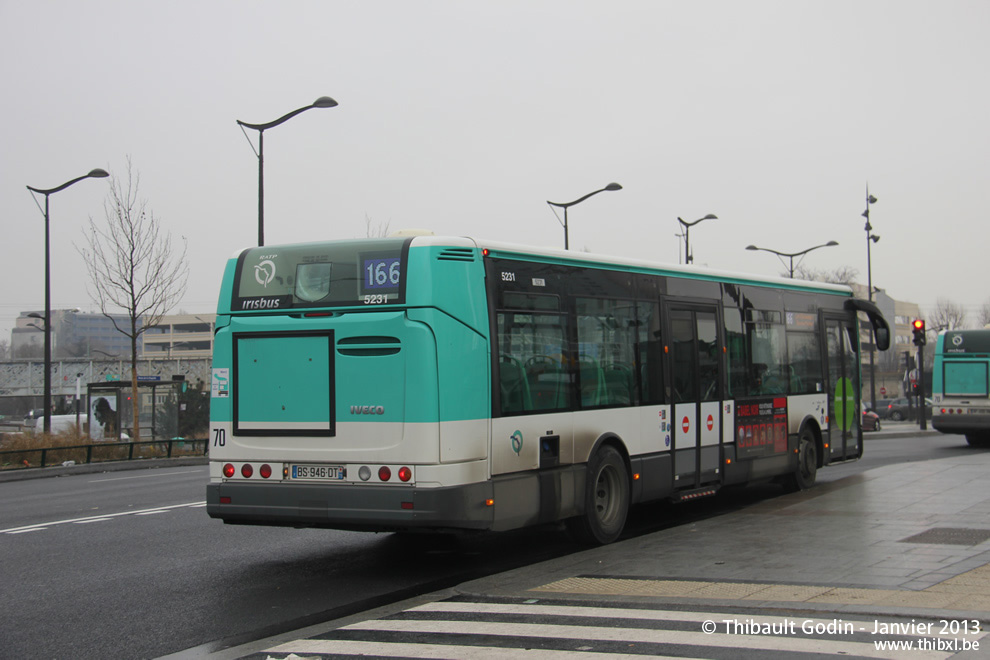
(429, 383)
(961, 385)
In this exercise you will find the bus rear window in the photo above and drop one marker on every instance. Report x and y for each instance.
(965, 379)
(369, 272)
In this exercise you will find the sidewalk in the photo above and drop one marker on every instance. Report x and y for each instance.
(905, 427)
(910, 540)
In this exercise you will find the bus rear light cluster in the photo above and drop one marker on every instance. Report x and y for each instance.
(247, 471)
(950, 411)
(404, 473)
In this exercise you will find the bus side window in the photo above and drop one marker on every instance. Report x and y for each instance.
(805, 358)
(739, 376)
(532, 372)
(513, 385)
(649, 351)
(767, 351)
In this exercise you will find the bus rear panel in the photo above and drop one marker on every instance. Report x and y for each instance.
(961, 385)
(326, 404)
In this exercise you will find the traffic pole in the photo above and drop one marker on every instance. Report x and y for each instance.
(921, 387)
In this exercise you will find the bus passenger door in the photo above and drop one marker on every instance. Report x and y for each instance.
(694, 390)
(844, 415)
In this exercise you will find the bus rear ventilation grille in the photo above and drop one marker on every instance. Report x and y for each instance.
(457, 254)
(368, 346)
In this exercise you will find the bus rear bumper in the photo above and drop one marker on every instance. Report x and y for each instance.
(351, 507)
(972, 423)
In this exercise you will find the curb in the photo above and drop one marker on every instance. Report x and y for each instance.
(23, 474)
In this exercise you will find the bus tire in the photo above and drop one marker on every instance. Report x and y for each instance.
(606, 499)
(979, 440)
(806, 470)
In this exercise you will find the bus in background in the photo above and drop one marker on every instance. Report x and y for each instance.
(961, 385)
(427, 383)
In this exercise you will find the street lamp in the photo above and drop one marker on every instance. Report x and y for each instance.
(688, 257)
(322, 102)
(791, 255)
(870, 238)
(610, 187)
(94, 174)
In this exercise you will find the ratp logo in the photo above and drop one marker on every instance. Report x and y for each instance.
(517, 442)
(957, 340)
(264, 272)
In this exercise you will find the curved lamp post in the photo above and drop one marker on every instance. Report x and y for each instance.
(610, 187)
(688, 257)
(791, 255)
(871, 238)
(322, 102)
(94, 174)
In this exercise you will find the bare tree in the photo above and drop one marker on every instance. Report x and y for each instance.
(132, 266)
(984, 315)
(375, 230)
(4, 349)
(841, 275)
(946, 315)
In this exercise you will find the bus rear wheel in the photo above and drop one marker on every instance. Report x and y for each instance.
(806, 471)
(606, 499)
(979, 440)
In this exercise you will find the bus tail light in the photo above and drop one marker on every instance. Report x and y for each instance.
(228, 470)
(247, 470)
(265, 471)
(384, 474)
(405, 474)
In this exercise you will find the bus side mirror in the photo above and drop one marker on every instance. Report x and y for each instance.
(882, 338)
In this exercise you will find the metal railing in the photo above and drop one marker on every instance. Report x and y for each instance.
(101, 452)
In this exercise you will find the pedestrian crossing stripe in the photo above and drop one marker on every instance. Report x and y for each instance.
(523, 630)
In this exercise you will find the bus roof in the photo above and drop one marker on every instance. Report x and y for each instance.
(963, 341)
(559, 256)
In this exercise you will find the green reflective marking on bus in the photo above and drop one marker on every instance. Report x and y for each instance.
(844, 404)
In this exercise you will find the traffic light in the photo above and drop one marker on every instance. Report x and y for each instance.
(918, 326)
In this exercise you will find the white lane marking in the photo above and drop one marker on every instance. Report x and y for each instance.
(628, 635)
(148, 476)
(39, 526)
(539, 609)
(441, 651)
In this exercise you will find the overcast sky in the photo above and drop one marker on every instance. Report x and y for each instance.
(466, 117)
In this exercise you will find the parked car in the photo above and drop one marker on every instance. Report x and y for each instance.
(871, 420)
(898, 409)
(881, 407)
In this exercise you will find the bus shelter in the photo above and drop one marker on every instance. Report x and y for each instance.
(111, 412)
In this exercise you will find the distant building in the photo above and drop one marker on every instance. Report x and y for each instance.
(74, 334)
(890, 366)
(180, 335)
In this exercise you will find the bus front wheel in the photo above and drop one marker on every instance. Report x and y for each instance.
(806, 471)
(606, 499)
